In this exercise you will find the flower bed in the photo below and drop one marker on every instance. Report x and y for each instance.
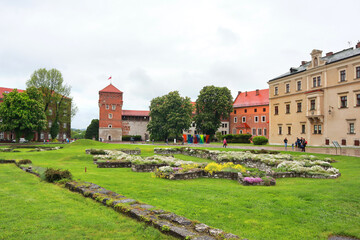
(146, 167)
(113, 164)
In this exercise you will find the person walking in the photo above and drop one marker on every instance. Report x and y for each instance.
(224, 143)
(285, 141)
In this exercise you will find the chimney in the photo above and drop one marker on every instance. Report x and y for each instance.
(239, 92)
(257, 92)
(303, 62)
(329, 53)
(245, 93)
(358, 45)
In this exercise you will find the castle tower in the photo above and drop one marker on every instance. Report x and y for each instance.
(110, 110)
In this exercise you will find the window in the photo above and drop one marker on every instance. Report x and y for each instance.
(276, 110)
(312, 104)
(256, 119)
(302, 128)
(107, 106)
(50, 123)
(235, 111)
(241, 132)
(113, 106)
(64, 136)
(41, 135)
(255, 110)
(317, 129)
(287, 109)
(1, 135)
(319, 81)
(298, 85)
(342, 76)
(254, 131)
(264, 109)
(235, 119)
(357, 99)
(276, 90)
(343, 101)
(280, 130)
(110, 126)
(234, 131)
(265, 132)
(289, 130)
(315, 62)
(287, 88)
(50, 112)
(110, 115)
(259, 131)
(357, 72)
(193, 124)
(245, 110)
(64, 125)
(243, 119)
(343, 142)
(351, 128)
(299, 107)
(263, 118)
(314, 82)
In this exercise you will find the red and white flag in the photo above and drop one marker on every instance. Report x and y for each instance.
(109, 78)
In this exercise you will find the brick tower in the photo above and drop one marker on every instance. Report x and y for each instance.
(110, 109)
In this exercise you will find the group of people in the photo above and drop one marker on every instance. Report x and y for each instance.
(300, 143)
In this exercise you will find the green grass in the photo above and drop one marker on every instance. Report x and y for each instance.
(295, 208)
(31, 209)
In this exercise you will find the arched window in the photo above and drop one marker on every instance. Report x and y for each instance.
(315, 62)
(109, 138)
(110, 126)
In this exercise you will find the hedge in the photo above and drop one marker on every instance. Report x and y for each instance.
(128, 137)
(238, 138)
(260, 140)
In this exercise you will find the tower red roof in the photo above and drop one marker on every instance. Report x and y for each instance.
(252, 98)
(111, 88)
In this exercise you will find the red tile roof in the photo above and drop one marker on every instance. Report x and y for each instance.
(139, 113)
(7, 90)
(247, 99)
(111, 88)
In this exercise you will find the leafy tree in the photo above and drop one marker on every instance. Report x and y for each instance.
(56, 96)
(212, 105)
(170, 115)
(22, 113)
(92, 130)
(78, 133)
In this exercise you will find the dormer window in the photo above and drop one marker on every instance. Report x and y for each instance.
(315, 62)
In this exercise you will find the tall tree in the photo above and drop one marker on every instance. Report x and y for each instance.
(92, 131)
(22, 113)
(56, 97)
(212, 105)
(170, 115)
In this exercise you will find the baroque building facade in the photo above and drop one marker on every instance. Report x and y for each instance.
(319, 100)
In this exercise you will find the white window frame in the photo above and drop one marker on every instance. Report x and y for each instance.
(263, 118)
(107, 106)
(243, 119)
(259, 133)
(110, 116)
(235, 119)
(252, 131)
(113, 106)
(2, 134)
(256, 119)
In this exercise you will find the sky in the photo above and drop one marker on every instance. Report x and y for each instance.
(150, 48)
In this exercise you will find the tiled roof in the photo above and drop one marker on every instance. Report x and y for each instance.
(7, 90)
(248, 99)
(346, 53)
(139, 113)
(111, 88)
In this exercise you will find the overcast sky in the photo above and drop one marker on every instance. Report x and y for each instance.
(153, 47)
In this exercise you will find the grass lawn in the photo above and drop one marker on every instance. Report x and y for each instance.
(294, 209)
(31, 209)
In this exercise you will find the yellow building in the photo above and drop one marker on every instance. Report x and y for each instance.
(319, 100)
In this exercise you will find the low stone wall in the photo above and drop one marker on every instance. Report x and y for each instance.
(29, 170)
(131, 151)
(200, 153)
(224, 175)
(7, 161)
(303, 175)
(187, 175)
(146, 167)
(113, 164)
(254, 164)
(167, 222)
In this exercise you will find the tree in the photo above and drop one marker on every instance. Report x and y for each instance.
(22, 113)
(92, 131)
(56, 97)
(78, 133)
(170, 115)
(212, 105)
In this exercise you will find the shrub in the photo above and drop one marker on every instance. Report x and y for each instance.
(23, 162)
(128, 137)
(238, 138)
(260, 140)
(97, 152)
(53, 175)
